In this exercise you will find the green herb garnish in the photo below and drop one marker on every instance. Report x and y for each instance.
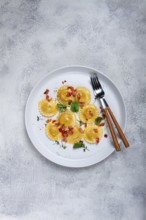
(74, 107)
(98, 120)
(64, 147)
(61, 107)
(78, 145)
(60, 144)
(81, 123)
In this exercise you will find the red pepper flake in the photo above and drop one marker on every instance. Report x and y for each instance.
(95, 130)
(102, 124)
(85, 125)
(48, 120)
(97, 140)
(46, 92)
(105, 135)
(53, 121)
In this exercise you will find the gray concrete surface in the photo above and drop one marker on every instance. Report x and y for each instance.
(39, 36)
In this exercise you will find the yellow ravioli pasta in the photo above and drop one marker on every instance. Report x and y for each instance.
(88, 114)
(48, 108)
(83, 95)
(53, 132)
(64, 95)
(92, 133)
(67, 118)
(76, 136)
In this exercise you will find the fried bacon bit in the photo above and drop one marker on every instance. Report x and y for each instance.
(102, 110)
(91, 113)
(97, 140)
(71, 88)
(78, 96)
(102, 124)
(85, 125)
(105, 135)
(68, 94)
(48, 98)
(70, 130)
(95, 130)
(64, 81)
(48, 120)
(62, 128)
(81, 104)
(53, 121)
(57, 124)
(103, 115)
(81, 130)
(46, 92)
(64, 133)
(69, 102)
(74, 92)
(64, 139)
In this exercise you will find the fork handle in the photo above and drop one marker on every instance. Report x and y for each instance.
(117, 146)
(124, 139)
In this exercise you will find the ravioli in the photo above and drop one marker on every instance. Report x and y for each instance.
(83, 95)
(76, 135)
(88, 113)
(67, 118)
(52, 131)
(93, 133)
(65, 95)
(47, 108)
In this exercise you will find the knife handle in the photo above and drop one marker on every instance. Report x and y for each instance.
(117, 146)
(124, 139)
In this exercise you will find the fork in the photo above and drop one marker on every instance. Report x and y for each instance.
(99, 93)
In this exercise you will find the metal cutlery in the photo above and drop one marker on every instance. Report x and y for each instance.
(99, 94)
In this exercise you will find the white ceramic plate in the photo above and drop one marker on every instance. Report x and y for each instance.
(75, 76)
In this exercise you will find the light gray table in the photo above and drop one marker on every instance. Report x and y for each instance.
(39, 36)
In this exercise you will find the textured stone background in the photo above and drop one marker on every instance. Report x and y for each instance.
(39, 36)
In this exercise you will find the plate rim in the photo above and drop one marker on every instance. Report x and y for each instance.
(26, 121)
